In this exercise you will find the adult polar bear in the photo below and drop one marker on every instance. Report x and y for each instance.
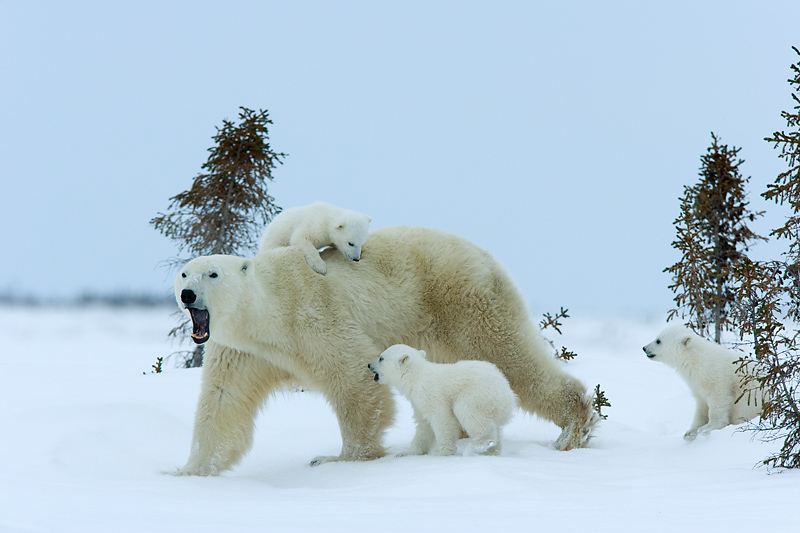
(273, 321)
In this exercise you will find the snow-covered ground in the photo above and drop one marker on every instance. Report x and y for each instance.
(86, 436)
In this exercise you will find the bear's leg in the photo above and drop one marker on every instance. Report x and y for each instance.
(700, 419)
(235, 385)
(364, 410)
(527, 361)
(555, 396)
(423, 438)
(719, 413)
(483, 431)
(312, 255)
(447, 430)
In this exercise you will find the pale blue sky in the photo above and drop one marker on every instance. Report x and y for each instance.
(557, 135)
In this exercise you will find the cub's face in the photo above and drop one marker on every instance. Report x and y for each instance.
(393, 362)
(669, 343)
(205, 286)
(348, 235)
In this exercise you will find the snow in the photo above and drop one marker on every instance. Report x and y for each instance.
(88, 431)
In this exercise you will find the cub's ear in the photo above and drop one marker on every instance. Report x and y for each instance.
(247, 265)
(369, 219)
(404, 360)
(686, 341)
(423, 354)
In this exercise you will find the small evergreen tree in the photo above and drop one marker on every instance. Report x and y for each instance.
(761, 298)
(786, 189)
(770, 299)
(227, 206)
(599, 402)
(554, 321)
(712, 236)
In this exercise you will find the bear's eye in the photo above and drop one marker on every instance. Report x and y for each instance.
(350, 244)
(213, 275)
(380, 360)
(183, 274)
(658, 341)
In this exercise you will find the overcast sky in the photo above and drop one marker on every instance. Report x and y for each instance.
(557, 135)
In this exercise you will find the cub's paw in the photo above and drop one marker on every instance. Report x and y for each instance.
(410, 452)
(322, 459)
(317, 264)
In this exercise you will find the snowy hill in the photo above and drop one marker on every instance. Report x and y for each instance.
(87, 436)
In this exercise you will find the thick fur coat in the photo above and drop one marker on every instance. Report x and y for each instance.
(272, 321)
(473, 396)
(314, 226)
(710, 372)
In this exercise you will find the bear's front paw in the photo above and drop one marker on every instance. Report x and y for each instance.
(445, 450)
(322, 459)
(489, 447)
(705, 430)
(317, 264)
(410, 452)
(690, 435)
(185, 472)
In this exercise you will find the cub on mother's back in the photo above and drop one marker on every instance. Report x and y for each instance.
(315, 226)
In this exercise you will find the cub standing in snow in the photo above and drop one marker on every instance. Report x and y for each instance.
(315, 226)
(710, 371)
(473, 395)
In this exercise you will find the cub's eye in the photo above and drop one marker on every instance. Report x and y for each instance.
(380, 360)
(658, 341)
(183, 274)
(350, 244)
(213, 275)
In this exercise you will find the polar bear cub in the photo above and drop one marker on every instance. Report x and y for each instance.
(710, 371)
(473, 395)
(315, 226)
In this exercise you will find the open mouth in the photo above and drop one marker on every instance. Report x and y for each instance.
(200, 320)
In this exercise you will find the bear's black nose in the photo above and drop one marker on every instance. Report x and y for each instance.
(188, 297)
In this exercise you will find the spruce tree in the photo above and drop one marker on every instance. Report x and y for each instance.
(227, 207)
(786, 189)
(770, 304)
(713, 236)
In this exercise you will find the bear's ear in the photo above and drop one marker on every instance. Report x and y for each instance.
(686, 341)
(247, 264)
(404, 360)
(340, 226)
(423, 354)
(369, 219)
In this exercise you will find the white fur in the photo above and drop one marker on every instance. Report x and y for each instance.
(470, 395)
(315, 226)
(710, 371)
(270, 322)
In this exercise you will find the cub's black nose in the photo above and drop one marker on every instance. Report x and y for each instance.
(188, 297)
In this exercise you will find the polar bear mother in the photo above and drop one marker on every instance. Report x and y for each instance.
(271, 321)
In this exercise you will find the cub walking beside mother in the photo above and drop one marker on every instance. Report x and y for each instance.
(469, 395)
